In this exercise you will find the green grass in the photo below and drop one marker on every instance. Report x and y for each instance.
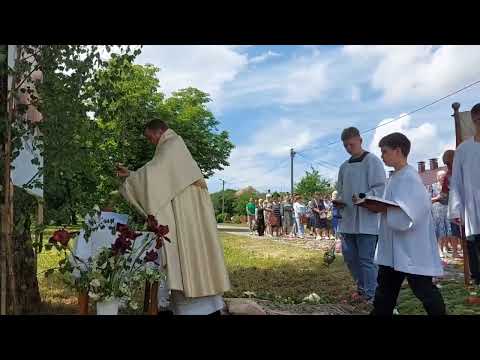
(56, 298)
(454, 295)
(281, 273)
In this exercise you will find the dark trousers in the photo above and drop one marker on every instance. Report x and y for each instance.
(473, 248)
(389, 283)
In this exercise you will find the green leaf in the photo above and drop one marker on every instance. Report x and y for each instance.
(49, 272)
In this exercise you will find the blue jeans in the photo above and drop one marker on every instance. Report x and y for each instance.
(358, 252)
(300, 228)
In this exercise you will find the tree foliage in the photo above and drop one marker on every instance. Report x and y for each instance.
(125, 97)
(229, 201)
(313, 182)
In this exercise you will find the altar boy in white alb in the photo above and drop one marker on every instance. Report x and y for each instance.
(407, 246)
(465, 193)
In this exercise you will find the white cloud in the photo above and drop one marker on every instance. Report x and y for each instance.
(297, 81)
(410, 72)
(426, 142)
(207, 67)
(306, 83)
(263, 57)
(355, 93)
(254, 163)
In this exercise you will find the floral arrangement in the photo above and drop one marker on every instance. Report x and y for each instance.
(116, 271)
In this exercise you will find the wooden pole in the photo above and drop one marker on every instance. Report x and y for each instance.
(153, 308)
(146, 298)
(458, 141)
(8, 196)
(3, 248)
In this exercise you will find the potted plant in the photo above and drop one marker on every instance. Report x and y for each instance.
(111, 277)
(125, 266)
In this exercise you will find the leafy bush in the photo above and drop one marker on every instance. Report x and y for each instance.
(236, 219)
(223, 218)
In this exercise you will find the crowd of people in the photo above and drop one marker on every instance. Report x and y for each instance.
(392, 229)
(293, 216)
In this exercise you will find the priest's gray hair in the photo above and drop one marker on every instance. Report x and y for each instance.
(156, 124)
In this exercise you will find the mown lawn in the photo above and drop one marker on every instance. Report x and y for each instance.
(267, 270)
(282, 273)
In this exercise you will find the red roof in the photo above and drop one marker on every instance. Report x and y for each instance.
(429, 177)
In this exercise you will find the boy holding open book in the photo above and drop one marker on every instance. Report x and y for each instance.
(407, 246)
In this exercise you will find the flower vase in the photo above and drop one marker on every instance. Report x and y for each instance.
(83, 303)
(108, 307)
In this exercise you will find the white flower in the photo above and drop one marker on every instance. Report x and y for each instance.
(93, 296)
(312, 298)
(95, 283)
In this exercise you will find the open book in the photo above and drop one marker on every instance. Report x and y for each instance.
(375, 200)
(338, 202)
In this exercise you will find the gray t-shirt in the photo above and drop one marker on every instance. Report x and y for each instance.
(365, 174)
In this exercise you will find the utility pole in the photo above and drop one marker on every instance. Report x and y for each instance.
(223, 199)
(292, 154)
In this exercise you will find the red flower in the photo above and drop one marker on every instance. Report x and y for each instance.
(61, 236)
(162, 230)
(126, 232)
(159, 242)
(121, 245)
(151, 255)
(121, 227)
(159, 230)
(152, 223)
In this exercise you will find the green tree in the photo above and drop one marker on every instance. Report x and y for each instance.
(124, 97)
(229, 201)
(189, 116)
(62, 98)
(241, 202)
(313, 182)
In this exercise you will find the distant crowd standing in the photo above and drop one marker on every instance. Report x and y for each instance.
(293, 216)
(401, 231)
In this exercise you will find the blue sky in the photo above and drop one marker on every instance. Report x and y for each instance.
(271, 98)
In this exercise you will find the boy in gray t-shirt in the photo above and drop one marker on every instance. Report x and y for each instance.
(362, 173)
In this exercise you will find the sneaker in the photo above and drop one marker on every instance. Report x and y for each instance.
(356, 296)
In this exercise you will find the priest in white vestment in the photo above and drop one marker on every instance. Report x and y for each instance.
(465, 193)
(171, 187)
(407, 245)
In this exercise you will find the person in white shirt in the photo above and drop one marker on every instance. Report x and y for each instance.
(407, 245)
(300, 211)
(465, 193)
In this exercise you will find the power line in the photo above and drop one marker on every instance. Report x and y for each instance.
(402, 116)
(278, 165)
(324, 164)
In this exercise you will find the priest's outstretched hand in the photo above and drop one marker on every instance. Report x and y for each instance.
(122, 171)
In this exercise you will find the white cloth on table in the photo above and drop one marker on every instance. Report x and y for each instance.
(99, 238)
